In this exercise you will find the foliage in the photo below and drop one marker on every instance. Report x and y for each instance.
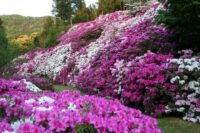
(85, 128)
(107, 6)
(3, 45)
(26, 42)
(16, 25)
(85, 13)
(50, 32)
(183, 16)
(64, 9)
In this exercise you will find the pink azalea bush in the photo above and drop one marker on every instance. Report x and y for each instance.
(141, 82)
(25, 111)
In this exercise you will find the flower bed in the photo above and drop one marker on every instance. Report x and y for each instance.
(122, 55)
(26, 111)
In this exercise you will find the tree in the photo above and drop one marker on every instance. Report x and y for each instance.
(183, 16)
(92, 11)
(51, 29)
(3, 45)
(48, 24)
(64, 9)
(81, 15)
(107, 6)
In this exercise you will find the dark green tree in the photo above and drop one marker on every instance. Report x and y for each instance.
(107, 6)
(183, 16)
(51, 29)
(51, 37)
(48, 25)
(3, 46)
(64, 9)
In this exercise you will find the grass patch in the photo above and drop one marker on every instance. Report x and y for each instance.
(177, 125)
(60, 88)
(166, 124)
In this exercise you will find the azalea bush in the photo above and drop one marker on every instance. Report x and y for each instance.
(141, 82)
(77, 47)
(98, 57)
(21, 85)
(186, 77)
(121, 55)
(26, 111)
(40, 82)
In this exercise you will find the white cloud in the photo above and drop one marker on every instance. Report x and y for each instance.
(29, 7)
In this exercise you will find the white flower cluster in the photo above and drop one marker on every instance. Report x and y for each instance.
(41, 100)
(118, 72)
(29, 85)
(43, 109)
(187, 78)
(53, 62)
(46, 99)
(187, 64)
(32, 87)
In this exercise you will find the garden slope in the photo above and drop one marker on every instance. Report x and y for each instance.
(80, 45)
(122, 55)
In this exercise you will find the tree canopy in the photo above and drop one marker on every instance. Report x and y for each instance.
(183, 16)
(64, 9)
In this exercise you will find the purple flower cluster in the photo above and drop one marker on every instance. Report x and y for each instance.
(7, 85)
(50, 112)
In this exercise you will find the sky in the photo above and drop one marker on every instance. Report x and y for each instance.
(34, 8)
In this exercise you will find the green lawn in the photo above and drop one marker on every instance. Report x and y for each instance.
(167, 124)
(60, 88)
(177, 125)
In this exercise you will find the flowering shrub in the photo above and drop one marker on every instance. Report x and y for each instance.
(77, 47)
(23, 85)
(141, 82)
(25, 111)
(122, 55)
(40, 82)
(186, 73)
(102, 57)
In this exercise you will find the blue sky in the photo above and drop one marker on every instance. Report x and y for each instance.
(29, 7)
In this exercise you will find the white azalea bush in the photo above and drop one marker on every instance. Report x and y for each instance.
(186, 75)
